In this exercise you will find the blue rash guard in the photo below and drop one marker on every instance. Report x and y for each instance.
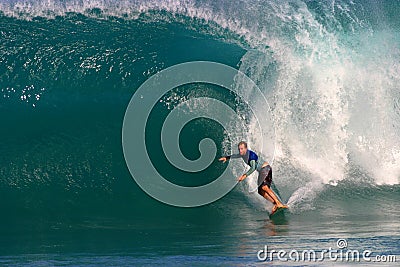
(251, 159)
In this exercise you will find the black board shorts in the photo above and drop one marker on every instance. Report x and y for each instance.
(265, 177)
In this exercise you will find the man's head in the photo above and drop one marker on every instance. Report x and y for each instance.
(242, 146)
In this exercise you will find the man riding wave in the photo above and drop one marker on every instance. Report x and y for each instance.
(264, 174)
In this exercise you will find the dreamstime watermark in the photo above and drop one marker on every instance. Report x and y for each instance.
(340, 253)
(146, 97)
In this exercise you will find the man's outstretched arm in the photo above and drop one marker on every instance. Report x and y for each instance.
(233, 156)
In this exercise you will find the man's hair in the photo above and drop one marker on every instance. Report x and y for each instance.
(242, 143)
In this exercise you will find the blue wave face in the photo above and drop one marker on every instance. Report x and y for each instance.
(66, 83)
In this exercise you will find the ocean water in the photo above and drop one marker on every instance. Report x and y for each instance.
(330, 71)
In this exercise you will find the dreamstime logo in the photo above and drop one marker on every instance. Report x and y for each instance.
(341, 243)
(142, 103)
(341, 254)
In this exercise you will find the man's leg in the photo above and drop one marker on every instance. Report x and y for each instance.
(273, 196)
(266, 195)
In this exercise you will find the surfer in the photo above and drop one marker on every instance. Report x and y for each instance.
(264, 174)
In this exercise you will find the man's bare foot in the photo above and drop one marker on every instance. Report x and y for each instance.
(280, 205)
(274, 209)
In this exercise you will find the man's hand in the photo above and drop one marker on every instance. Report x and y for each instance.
(223, 159)
(241, 178)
